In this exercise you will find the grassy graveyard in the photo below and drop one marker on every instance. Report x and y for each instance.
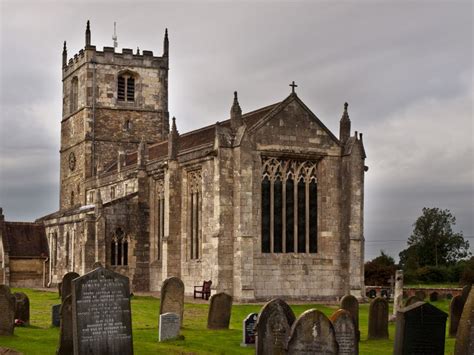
(41, 338)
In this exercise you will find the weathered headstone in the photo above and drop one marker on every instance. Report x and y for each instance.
(465, 335)
(169, 326)
(398, 293)
(378, 319)
(345, 330)
(172, 297)
(420, 329)
(465, 292)
(66, 284)
(372, 293)
(420, 294)
(312, 333)
(22, 307)
(219, 311)
(273, 328)
(412, 300)
(248, 330)
(7, 311)
(455, 311)
(101, 315)
(434, 296)
(65, 331)
(350, 304)
(55, 315)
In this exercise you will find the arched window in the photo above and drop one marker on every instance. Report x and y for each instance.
(126, 87)
(119, 248)
(74, 93)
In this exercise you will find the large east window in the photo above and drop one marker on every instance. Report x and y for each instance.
(289, 206)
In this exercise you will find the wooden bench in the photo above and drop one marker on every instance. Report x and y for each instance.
(204, 291)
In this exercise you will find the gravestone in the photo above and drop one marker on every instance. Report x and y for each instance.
(398, 293)
(7, 311)
(434, 296)
(465, 335)
(101, 315)
(455, 312)
(219, 311)
(65, 331)
(312, 333)
(421, 295)
(60, 285)
(372, 293)
(248, 330)
(350, 304)
(273, 328)
(169, 326)
(22, 307)
(345, 330)
(55, 315)
(66, 284)
(96, 265)
(172, 297)
(449, 296)
(465, 292)
(378, 319)
(420, 329)
(412, 300)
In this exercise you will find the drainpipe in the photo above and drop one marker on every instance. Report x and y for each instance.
(44, 273)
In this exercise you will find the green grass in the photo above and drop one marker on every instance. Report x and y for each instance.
(41, 338)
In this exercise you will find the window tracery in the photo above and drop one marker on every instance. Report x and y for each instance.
(119, 248)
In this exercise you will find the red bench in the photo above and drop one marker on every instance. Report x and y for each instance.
(204, 291)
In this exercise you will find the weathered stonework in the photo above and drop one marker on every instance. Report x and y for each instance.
(151, 203)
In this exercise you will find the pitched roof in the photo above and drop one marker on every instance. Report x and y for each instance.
(25, 239)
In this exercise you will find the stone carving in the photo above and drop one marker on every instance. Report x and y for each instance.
(219, 311)
(378, 319)
(350, 304)
(346, 336)
(66, 284)
(169, 326)
(248, 330)
(172, 297)
(273, 328)
(455, 311)
(22, 307)
(65, 331)
(420, 329)
(101, 315)
(312, 333)
(465, 334)
(7, 311)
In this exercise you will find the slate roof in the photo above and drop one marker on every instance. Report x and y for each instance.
(23, 239)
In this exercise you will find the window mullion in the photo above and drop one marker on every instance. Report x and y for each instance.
(272, 217)
(283, 215)
(306, 194)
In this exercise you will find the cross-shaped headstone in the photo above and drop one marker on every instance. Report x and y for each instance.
(293, 86)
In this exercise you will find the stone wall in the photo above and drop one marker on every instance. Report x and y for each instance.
(27, 272)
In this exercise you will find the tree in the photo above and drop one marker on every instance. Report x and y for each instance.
(433, 242)
(379, 270)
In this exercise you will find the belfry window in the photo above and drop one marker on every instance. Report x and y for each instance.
(126, 88)
(74, 94)
(289, 206)
(119, 248)
(194, 213)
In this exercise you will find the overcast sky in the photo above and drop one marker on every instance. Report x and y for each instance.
(405, 67)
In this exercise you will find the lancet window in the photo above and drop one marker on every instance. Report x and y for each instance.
(194, 214)
(289, 206)
(119, 248)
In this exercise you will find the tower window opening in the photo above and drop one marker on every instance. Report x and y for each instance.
(126, 88)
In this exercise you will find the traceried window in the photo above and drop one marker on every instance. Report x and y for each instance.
(126, 88)
(74, 94)
(289, 206)
(194, 214)
(119, 248)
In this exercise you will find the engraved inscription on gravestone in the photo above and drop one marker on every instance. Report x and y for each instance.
(420, 329)
(344, 328)
(101, 316)
(169, 326)
(248, 330)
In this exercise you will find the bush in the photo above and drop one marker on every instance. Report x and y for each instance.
(467, 275)
(379, 270)
(432, 274)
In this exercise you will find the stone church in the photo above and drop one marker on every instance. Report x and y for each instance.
(264, 203)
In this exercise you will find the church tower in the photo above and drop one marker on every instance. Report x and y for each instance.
(111, 101)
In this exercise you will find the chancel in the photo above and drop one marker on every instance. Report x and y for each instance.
(265, 203)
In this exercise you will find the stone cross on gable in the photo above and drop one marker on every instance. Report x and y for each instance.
(293, 86)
